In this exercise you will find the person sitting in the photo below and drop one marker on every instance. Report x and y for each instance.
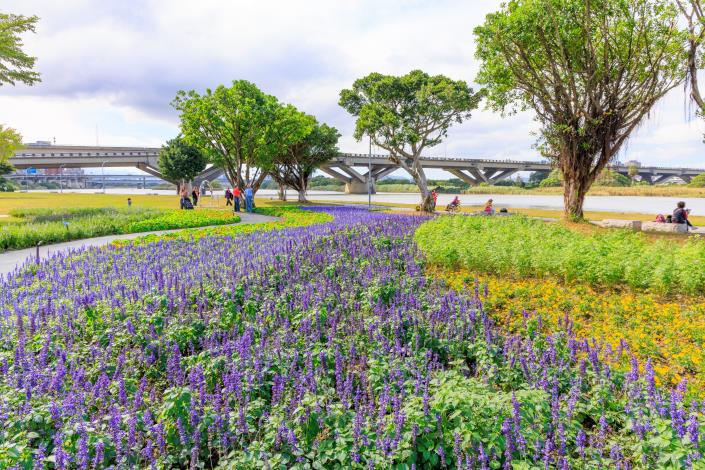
(454, 204)
(660, 219)
(489, 210)
(680, 214)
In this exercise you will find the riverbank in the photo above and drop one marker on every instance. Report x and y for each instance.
(537, 205)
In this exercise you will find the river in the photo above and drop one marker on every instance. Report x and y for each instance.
(625, 204)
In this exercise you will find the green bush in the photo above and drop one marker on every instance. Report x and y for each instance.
(698, 181)
(54, 226)
(553, 180)
(523, 247)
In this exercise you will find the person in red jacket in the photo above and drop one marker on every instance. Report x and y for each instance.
(236, 198)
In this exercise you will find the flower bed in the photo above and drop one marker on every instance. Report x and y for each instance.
(317, 347)
(670, 332)
(528, 248)
(54, 226)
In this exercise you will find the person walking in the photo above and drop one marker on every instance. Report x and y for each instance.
(236, 198)
(194, 196)
(185, 202)
(228, 197)
(249, 196)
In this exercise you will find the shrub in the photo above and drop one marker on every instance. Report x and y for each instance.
(524, 247)
(698, 181)
(54, 226)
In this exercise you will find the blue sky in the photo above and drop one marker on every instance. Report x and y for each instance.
(116, 65)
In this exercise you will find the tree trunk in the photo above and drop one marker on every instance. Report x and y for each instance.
(282, 192)
(303, 186)
(574, 196)
(427, 203)
(422, 183)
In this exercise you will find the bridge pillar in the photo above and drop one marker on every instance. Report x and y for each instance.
(355, 186)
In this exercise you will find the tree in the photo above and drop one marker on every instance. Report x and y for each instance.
(692, 12)
(407, 115)
(537, 177)
(633, 170)
(15, 64)
(181, 162)
(294, 167)
(235, 127)
(10, 142)
(697, 181)
(590, 69)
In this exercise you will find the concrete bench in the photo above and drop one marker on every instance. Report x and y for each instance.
(664, 227)
(634, 225)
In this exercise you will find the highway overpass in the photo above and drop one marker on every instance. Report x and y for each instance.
(349, 168)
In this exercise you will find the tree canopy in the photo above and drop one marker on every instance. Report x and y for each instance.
(589, 69)
(294, 167)
(406, 115)
(179, 161)
(10, 141)
(15, 64)
(236, 128)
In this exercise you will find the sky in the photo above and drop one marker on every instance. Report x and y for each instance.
(111, 68)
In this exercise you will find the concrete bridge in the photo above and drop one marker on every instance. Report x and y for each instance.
(351, 169)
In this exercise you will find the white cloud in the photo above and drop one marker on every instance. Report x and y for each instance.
(119, 64)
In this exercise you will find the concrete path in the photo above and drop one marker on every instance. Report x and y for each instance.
(11, 259)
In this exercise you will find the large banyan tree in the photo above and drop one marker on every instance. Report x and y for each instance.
(591, 70)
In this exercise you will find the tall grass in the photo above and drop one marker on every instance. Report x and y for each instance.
(528, 248)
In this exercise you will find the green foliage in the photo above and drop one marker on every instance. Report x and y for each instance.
(308, 146)
(15, 64)
(408, 114)
(523, 247)
(612, 179)
(238, 128)
(590, 70)
(54, 226)
(10, 141)
(698, 181)
(607, 178)
(553, 180)
(180, 161)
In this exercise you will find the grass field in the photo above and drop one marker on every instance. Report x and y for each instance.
(9, 201)
(16, 200)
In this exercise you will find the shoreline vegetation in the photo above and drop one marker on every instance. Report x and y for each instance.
(645, 191)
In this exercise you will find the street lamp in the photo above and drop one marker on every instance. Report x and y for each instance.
(102, 171)
(369, 177)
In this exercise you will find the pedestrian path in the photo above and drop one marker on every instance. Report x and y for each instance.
(11, 259)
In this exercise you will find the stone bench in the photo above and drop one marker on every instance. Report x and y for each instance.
(664, 227)
(634, 225)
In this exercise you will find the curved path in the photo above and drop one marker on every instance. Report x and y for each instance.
(11, 259)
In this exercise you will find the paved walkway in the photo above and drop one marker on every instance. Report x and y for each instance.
(11, 259)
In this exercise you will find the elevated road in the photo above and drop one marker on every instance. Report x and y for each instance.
(350, 168)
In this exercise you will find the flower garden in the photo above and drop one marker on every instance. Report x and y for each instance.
(329, 345)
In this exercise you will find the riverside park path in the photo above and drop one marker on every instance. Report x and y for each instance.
(10, 260)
